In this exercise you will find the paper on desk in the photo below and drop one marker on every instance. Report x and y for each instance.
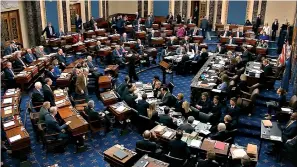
(276, 138)
(217, 90)
(167, 134)
(15, 138)
(6, 112)
(150, 94)
(59, 94)
(256, 67)
(238, 153)
(206, 132)
(195, 143)
(7, 108)
(7, 101)
(121, 108)
(9, 93)
(286, 109)
(10, 123)
(195, 122)
(60, 102)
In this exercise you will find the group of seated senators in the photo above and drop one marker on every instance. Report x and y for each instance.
(262, 44)
(11, 48)
(29, 56)
(187, 127)
(119, 55)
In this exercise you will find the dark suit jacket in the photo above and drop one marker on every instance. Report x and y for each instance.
(232, 42)
(222, 51)
(42, 113)
(61, 59)
(227, 33)
(8, 74)
(147, 145)
(220, 136)
(52, 126)
(18, 63)
(274, 27)
(30, 58)
(142, 107)
(48, 35)
(205, 105)
(37, 97)
(166, 120)
(156, 91)
(93, 115)
(216, 110)
(178, 149)
(166, 99)
(188, 128)
(178, 106)
(267, 71)
(240, 34)
(130, 100)
(50, 75)
(207, 163)
(178, 19)
(289, 131)
(233, 112)
(170, 43)
(204, 56)
(204, 24)
(48, 95)
(91, 66)
(78, 22)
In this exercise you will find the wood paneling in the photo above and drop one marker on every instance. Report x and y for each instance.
(10, 25)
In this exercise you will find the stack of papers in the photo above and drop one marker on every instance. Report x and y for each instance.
(286, 110)
(60, 102)
(238, 153)
(195, 123)
(7, 101)
(167, 134)
(7, 110)
(15, 138)
(8, 124)
(219, 145)
(121, 108)
(195, 143)
(267, 123)
(205, 132)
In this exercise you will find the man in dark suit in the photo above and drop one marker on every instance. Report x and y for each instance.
(258, 21)
(186, 40)
(50, 31)
(37, 95)
(11, 48)
(9, 75)
(146, 144)
(49, 73)
(226, 33)
(121, 88)
(120, 24)
(238, 33)
(267, 68)
(157, 90)
(165, 119)
(220, 49)
(166, 97)
(30, 57)
(209, 161)
(48, 93)
(52, 125)
(178, 18)
(221, 135)
(216, 110)
(61, 59)
(129, 97)
(290, 130)
(233, 110)
(148, 23)
(204, 26)
(187, 127)
(178, 148)
(78, 23)
(142, 105)
(169, 18)
(274, 28)
(231, 40)
(131, 67)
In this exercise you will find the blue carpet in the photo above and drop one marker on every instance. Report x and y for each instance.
(93, 157)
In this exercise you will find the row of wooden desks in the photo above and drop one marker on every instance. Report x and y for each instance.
(16, 134)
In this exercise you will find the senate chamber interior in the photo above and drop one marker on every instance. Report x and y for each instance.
(148, 83)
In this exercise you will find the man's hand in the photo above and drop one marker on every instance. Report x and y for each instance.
(82, 92)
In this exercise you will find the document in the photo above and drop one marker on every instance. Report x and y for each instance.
(238, 153)
(8, 124)
(167, 134)
(121, 108)
(15, 138)
(196, 143)
(9, 93)
(267, 123)
(219, 145)
(7, 101)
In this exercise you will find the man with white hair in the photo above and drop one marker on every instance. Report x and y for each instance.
(221, 135)
(40, 51)
(9, 75)
(118, 55)
(29, 57)
(52, 125)
(37, 95)
(19, 63)
(124, 38)
(82, 83)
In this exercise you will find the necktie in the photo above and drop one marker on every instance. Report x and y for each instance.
(12, 72)
(22, 62)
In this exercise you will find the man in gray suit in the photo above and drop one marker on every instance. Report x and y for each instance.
(204, 26)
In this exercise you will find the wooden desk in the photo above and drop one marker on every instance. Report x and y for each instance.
(231, 47)
(120, 116)
(208, 144)
(224, 39)
(158, 41)
(108, 98)
(141, 34)
(89, 34)
(114, 161)
(113, 68)
(22, 143)
(15, 111)
(261, 51)
(155, 26)
(114, 37)
(73, 64)
(104, 52)
(104, 82)
(64, 82)
(15, 101)
(78, 125)
(100, 32)
(17, 123)
(16, 93)
(246, 28)
(152, 162)
(39, 64)
(62, 104)
(130, 44)
(239, 41)
(197, 39)
(159, 134)
(168, 32)
(66, 112)
(250, 41)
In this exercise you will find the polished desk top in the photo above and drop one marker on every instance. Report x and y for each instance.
(109, 153)
(77, 121)
(66, 112)
(21, 143)
(208, 144)
(15, 122)
(152, 162)
(12, 93)
(104, 79)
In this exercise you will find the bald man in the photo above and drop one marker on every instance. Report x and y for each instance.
(146, 144)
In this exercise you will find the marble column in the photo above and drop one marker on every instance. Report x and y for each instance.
(219, 12)
(263, 10)
(255, 10)
(145, 8)
(139, 8)
(211, 11)
(184, 8)
(65, 16)
(34, 26)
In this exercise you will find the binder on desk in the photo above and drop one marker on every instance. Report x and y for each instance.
(120, 154)
(219, 145)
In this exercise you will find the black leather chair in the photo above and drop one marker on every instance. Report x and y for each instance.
(203, 117)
